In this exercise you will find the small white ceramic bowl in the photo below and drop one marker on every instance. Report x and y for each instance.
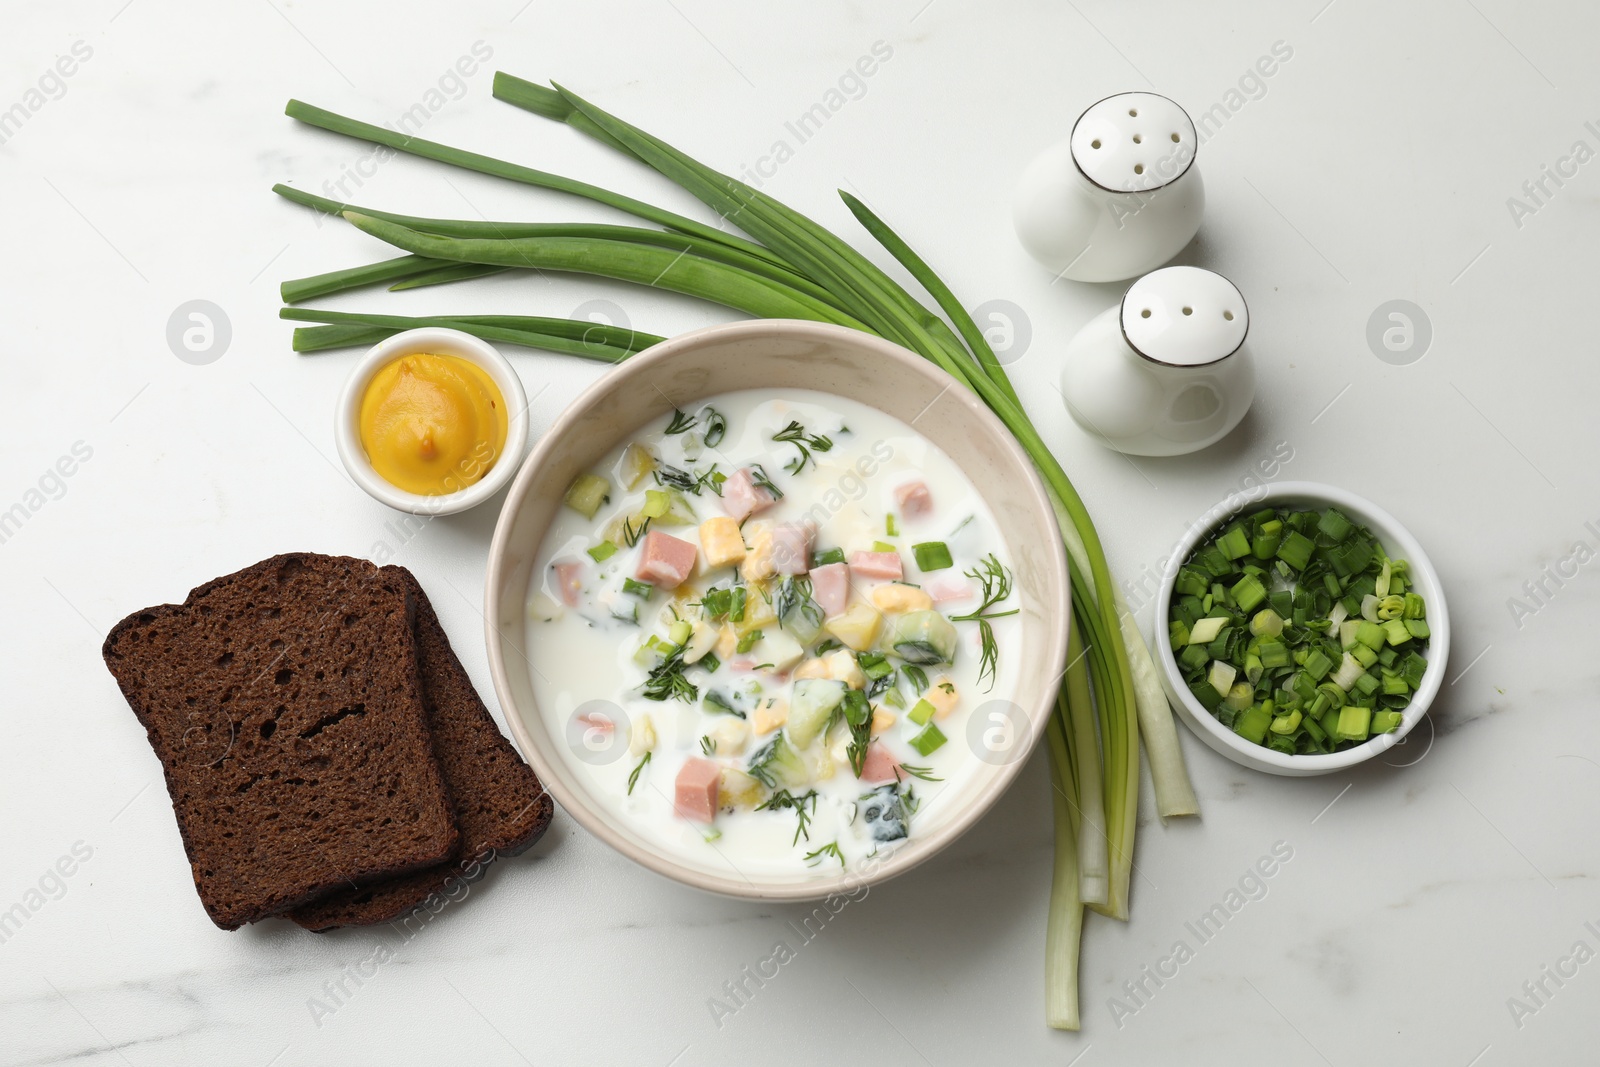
(347, 420)
(778, 354)
(1397, 542)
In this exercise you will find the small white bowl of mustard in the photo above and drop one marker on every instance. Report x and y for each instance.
(432, 422)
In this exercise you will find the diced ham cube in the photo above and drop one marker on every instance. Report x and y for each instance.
(879, 766)
(791, 547)
(665, 561)
(830, 587)
(882, 565)
(569, 581)
(914, 499)
(948, 586)
(742, 497)
(695, 791)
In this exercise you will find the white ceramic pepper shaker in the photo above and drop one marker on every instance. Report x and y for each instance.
(1119, 197)
(1166, 371)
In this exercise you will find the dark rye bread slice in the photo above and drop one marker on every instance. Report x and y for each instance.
(284, 704)
(501, 809)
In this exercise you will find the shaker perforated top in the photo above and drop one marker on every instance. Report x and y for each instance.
(1184, 316)
(1134, 142)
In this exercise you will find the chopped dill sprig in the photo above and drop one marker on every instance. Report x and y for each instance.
(996, 582)
(758, 475)
(804, 806)
(830, 849)
(631, 534)
(633, 779)
(716, 427)
(666, 680)
(796, 434)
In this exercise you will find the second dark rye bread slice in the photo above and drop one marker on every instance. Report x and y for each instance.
(501, 809)
(284, 704)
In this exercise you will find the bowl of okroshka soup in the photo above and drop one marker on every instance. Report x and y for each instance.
(777, 609)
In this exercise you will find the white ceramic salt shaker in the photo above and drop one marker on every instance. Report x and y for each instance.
(1119, 197)
(1166, 371)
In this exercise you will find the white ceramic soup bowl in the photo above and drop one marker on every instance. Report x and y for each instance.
(777, 355)
(1397, 542)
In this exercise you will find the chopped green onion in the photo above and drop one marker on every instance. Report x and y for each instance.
(1253, 723)
(1248, 592)
(930, 740)
(1266, 623)
(1234, 543)
(1296, 550)
(602, 552)
(643, 590)
(921, 712)
(1334, 526)
(889, 526)
(1354, 722)
(1331, 625)
(822, 559)
(1396, 632)
(874, 665)
(932, 556)
(1386, 722)
(1206, 631)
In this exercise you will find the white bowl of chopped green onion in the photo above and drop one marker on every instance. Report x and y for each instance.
(1301, 629)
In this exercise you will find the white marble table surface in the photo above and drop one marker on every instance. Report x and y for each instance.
(1379, 162)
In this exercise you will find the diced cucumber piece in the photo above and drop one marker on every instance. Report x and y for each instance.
(883, 814)
(778, 765)
(656, 503)
(636, 463)
(587, 493)
(778, 649)
(923, 637)
(811, 706)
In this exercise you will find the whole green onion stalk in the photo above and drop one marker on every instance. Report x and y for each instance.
(792, 267)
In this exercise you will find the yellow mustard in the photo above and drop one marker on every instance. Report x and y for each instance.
(432, 424)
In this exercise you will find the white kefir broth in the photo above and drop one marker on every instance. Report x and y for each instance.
(584, 659)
